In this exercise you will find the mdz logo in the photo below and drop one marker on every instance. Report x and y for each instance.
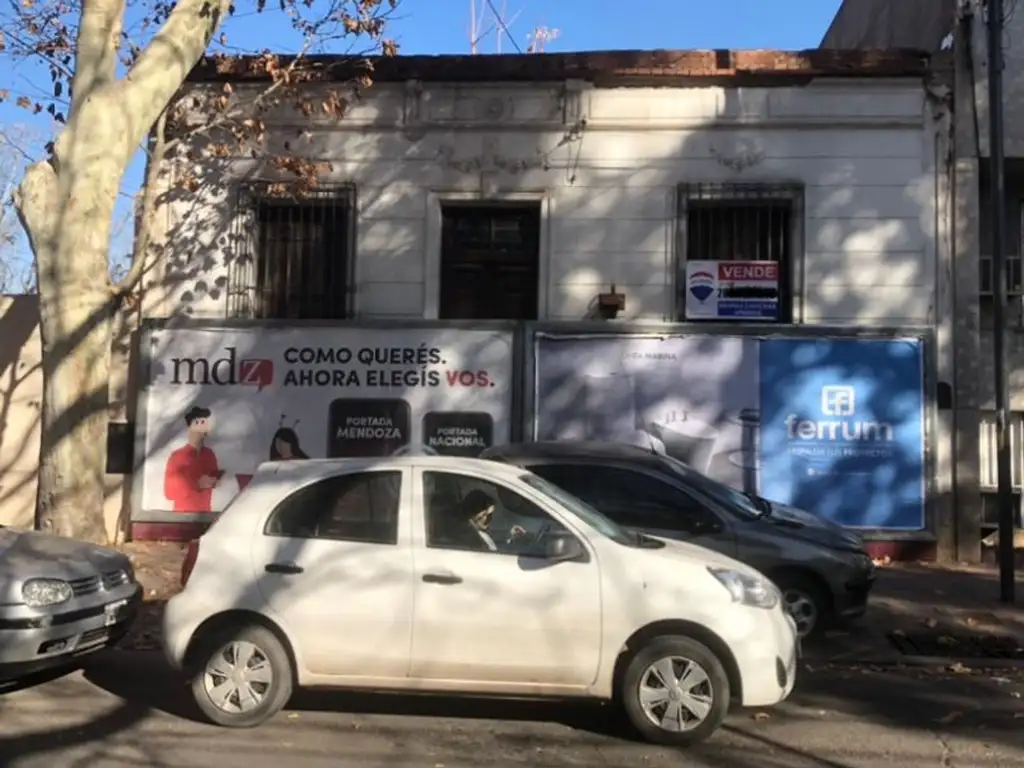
(839, 404)
(223, 371)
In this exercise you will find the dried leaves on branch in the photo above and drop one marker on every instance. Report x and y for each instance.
(108, 72)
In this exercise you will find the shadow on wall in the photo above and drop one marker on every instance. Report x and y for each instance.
(21, 391)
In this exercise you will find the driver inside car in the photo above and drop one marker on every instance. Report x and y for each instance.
(468, 526)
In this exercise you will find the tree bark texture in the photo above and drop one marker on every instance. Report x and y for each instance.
(66, 204)
(75, 313)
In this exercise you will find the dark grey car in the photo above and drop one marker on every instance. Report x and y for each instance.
(820, 567)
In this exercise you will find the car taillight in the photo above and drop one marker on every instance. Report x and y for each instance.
(189, 562)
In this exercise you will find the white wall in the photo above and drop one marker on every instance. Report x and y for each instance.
(865, 152)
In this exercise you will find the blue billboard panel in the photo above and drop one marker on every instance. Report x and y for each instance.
(842, 429)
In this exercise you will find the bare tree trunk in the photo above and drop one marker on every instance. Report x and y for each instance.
(66, 205)
(76, 372)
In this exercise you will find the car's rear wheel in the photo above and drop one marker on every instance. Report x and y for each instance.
(242, 676)
(675, 691)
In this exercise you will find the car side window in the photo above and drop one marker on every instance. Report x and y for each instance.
(359, 507)
(578, 480)
(476, 515)
(637, 500)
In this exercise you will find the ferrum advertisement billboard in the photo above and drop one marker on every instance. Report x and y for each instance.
(835, 426)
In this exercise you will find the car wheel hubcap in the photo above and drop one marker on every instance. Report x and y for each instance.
(238, 678)
(803, 610)
(676, 694)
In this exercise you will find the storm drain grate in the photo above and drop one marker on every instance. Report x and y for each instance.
(954, 645)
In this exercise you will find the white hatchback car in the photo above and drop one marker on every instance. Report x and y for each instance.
(455, 575)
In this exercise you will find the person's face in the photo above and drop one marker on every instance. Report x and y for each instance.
(200, 427)
(284, 448)
(482, 519)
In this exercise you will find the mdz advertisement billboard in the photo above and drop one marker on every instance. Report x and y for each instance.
(220, 402)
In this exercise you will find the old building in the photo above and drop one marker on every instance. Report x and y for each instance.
(957, 27)
(574, 187)
(588, 170)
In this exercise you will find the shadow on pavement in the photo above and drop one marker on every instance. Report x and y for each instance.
(159, 688)
(38, 678)
(917, 698)
(48, 739)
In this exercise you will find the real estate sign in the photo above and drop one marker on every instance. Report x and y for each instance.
(732, 290)
(219, 402)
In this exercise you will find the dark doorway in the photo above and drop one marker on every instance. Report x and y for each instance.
(490, 261)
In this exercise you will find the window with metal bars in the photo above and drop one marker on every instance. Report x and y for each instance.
(741, 222)
(295, 254)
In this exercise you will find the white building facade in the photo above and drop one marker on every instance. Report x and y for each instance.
(602, 173)
(497, 188)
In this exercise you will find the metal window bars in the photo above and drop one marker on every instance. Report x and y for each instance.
(741, 222)
(292, 257)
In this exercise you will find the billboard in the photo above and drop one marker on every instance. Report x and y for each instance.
(834, 426)
(842, 429)
(221, 401)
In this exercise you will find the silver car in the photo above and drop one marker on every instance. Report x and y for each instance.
(60, 599)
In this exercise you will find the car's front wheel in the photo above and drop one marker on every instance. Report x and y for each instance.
(675, 691)
(806, 602)
(242, 676)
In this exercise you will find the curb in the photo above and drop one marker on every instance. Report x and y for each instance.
(899, 660)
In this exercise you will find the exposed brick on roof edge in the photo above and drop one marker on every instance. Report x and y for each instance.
(603, 67)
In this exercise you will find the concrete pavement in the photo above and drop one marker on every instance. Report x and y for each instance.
(127, 711)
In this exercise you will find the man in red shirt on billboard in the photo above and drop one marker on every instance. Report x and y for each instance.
(191, 471)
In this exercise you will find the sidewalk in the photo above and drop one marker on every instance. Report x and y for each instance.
(929, 614)
(938, 615)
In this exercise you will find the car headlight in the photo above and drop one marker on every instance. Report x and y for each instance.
(755, 591)
(863, 562)
(39, 593)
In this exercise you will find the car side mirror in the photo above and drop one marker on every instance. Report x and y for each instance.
(562, 546)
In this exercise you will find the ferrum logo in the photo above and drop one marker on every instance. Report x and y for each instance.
(838, 402)
(223, 371)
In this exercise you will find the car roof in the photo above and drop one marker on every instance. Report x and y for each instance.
(570, 449)
(303, 469)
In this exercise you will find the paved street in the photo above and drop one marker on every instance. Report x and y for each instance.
(122, 713)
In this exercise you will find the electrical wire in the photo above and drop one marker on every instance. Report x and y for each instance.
(504, 28)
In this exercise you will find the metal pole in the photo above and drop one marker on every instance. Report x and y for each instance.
(998, 206)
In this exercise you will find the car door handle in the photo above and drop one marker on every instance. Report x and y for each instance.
(442, 578)
(285, 568)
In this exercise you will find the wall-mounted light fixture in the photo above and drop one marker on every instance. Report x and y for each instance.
(610, 303)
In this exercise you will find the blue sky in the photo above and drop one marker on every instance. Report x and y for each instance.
(442, 26)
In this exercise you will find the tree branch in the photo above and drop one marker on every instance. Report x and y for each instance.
(244, 109)
(165, 63)
(99, 38)
(36, 203)
(149, 196)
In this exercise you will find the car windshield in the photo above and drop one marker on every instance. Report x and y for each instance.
(582, 510)
(722, 493)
